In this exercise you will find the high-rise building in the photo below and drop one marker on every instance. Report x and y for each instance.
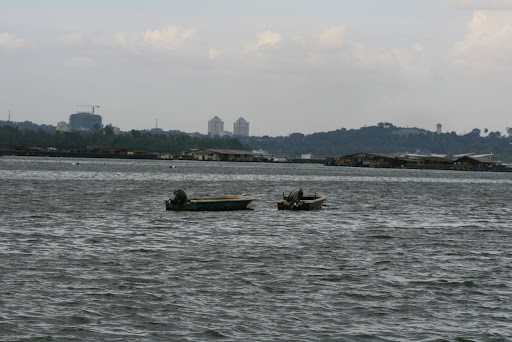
(241, 127)
(439, 126)
(84, 122)
(215, 126)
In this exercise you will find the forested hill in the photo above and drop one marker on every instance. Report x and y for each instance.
(28, 125)
(385, 138)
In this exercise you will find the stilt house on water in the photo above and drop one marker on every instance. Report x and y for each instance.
(368, 160)
(221, 155)
(477, 163)
(387, 160)
(427, 162)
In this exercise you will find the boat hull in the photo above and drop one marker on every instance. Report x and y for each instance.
(218, 203)
(307, 202)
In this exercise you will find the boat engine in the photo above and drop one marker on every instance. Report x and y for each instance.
(294, 197)
(180, 197)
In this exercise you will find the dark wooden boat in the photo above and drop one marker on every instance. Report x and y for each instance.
(306, 202)
(211, 203)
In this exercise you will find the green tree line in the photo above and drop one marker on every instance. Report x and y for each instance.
(12, 137)
(382, 138)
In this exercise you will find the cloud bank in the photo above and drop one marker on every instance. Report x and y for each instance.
(283, 72)
(9, 42)
(488, 43)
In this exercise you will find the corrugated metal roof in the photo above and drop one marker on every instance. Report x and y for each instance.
(382, 155)
(430, 158)
(483, 160)
(385, 155)
(223, 151)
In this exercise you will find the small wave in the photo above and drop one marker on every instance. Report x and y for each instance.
(463, 339)
(384, 237)
(332, 279)
(210, 333)
(382, 262)
(469, 283)
(248, 282)
(445, 282)
(270, 289)
(80, 320)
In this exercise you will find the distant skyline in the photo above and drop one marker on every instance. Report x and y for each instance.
(286, 66)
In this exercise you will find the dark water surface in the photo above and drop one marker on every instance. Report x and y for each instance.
(88, 253)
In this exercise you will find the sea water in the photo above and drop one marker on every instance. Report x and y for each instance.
(88, 252)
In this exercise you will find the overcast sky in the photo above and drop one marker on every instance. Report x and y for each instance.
(285, 66)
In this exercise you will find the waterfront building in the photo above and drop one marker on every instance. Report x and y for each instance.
(439, 126)
(84, 122)
(62, 127)
(241, 127)
(263, 154)
(220, 155)
(388, 160)
(477, 163)
(215, 126)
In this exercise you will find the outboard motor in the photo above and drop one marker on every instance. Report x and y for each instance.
(294, 197)
(180, 197)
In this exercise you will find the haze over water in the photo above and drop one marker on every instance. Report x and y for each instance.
(89, 253)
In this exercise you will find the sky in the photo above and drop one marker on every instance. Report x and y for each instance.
(283, 65)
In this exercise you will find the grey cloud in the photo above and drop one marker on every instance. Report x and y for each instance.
(480, 4)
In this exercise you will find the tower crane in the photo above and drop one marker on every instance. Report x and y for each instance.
(92, 106)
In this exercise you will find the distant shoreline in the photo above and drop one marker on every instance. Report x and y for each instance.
(75, 154)
(158, 156)
(140, 155)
